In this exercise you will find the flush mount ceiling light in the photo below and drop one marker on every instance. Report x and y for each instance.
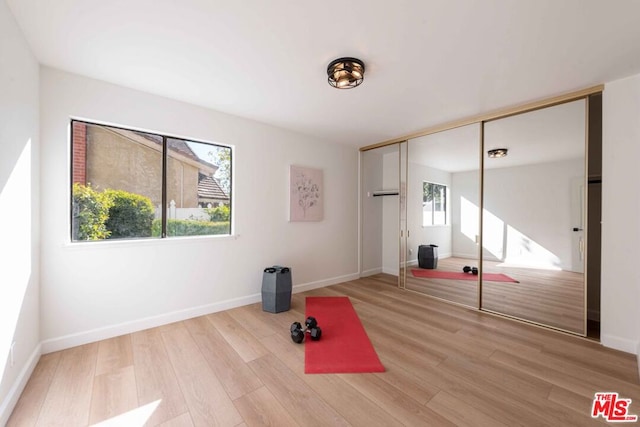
(345, 73)
(496, 153)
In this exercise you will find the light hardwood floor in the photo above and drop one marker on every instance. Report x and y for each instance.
(445, 365)
(553, 298)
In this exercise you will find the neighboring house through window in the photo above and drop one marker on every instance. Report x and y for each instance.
(434, 204)
(131, 184)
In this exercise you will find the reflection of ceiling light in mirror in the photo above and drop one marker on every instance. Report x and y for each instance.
(496, 153)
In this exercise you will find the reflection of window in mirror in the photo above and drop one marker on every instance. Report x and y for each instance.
(434, 204)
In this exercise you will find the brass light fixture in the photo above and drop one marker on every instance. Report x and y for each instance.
(497, 153)
(345, 73)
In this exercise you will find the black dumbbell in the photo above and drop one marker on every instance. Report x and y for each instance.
(310, 326)
(472, 270)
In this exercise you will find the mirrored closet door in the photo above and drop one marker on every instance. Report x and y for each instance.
(534, 216)
(493, 215)
(442, 209)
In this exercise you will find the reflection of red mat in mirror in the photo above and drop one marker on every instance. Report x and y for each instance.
(439, 274)
(344, 346)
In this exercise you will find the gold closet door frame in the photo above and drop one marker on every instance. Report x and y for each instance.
(498, 114)
(403, 183)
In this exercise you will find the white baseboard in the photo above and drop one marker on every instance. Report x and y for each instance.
(468, 256)
(18, 386)
(323, 283)
(86, 337)
(593, 314)
(371, 272)
(619, 343)
(391, 271)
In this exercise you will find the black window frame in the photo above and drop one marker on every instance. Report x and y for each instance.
(165, 138)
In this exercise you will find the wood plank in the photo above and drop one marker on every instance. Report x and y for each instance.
(446, 363)
(385, 341)
(155, 378)
(208, 403)
(234, 374)
(304, 405)
(500, 338)
(435, 341)
(572, 401)
(261, 408)
(28, 406)
(558, 372)
(359, 295)
(69, 398)
(489, 401)
(114, 393)
(402, 406)
(346, 400)
(114, 354)
(518, 409)
(246, 317)
(609, 362)
(405, 380)
(492, 373)
(183, 420)
(245, 344)
(280, 322)
(460, 413)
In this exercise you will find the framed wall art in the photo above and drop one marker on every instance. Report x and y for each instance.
(306, 193)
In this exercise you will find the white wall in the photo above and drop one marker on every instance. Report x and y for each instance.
(537, 205)
(95, 290)
(437, 235)
(620, 284)
(19, 212)
(465, 202)
(372, 171)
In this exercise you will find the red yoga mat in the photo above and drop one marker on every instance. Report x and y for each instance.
(439, 274)
(344, 346)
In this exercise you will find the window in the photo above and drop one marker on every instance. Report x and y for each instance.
(434, 204)
(133, 185)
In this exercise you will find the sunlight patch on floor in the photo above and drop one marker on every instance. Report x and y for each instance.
(134, 418)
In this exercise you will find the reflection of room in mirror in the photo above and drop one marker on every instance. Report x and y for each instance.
(532, 214)
(438, 213)
(529, 213)
(531, 204)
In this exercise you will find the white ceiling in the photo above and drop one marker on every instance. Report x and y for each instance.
(427, 61)
(548, 135)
